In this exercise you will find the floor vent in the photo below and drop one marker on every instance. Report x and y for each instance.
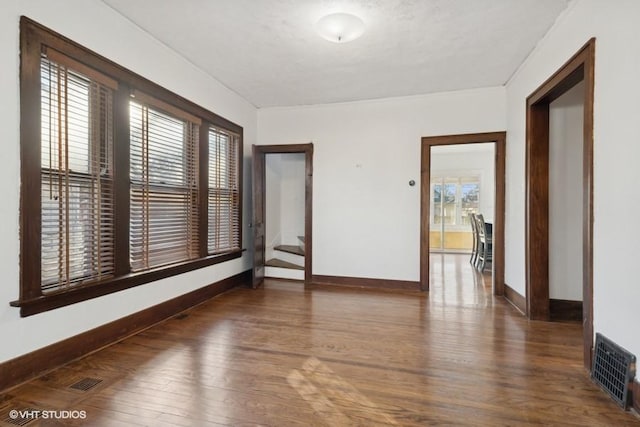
(20, 417)
(613, 369)
(86, 384)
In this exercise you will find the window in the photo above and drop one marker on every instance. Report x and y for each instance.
(164, 188)
(444, 201)
(224, 193)
(454, 199)
(122, 181)
(76, 175)
(469, 199)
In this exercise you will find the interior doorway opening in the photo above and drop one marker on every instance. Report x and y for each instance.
(462, 185)
(284, 215)
(287, 165)
(579, 68)
(566, 123)
(429, 202)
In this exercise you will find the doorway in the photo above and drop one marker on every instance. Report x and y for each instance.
(284, 219)
(462, 184)
(428, 144)
(580, 68)
(566, 124)
(275, 171)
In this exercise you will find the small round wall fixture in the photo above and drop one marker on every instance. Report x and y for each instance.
(340, 27)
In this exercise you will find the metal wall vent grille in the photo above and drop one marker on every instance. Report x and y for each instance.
(613, 369)
(86, 384)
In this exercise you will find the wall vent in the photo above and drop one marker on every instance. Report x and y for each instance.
(613, 369)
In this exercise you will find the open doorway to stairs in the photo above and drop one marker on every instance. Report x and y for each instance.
(282, 195)
(430, 145)
(541, 228)
(284, 220)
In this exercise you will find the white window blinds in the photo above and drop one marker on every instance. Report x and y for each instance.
(224, 200)
(76, 174)
(164, 190)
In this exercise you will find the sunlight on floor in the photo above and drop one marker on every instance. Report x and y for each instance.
(453, 281)
(321, 388)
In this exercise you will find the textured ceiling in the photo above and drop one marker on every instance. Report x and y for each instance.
(268, 52)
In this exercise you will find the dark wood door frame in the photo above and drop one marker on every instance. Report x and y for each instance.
(258, 220)
(499, 139)
(580, 67)
(259, 153)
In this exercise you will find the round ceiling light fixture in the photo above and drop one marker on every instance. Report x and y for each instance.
(340, 27)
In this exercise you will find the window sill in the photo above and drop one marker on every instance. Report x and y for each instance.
(82, 293)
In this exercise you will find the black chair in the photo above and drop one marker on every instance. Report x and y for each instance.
(476, 242)
(485, 247)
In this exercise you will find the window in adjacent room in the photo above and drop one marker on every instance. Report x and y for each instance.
(454, 199)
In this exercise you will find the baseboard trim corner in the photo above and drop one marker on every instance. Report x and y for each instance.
(32, 365)
(364, 282)
(515, 299)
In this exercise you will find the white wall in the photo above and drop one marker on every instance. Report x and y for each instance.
(273, 203)
(366, 217)
(472, 159)
(96, 26)
(566, 121)
(292, 197)
(616, 154)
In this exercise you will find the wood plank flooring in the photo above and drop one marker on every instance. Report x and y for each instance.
(286, 356)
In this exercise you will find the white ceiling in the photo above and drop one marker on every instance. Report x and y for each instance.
(268, 52)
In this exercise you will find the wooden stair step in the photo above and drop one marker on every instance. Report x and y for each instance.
(296, 250)
(275, 262)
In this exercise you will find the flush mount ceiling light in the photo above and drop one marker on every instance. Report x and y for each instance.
(340, 27)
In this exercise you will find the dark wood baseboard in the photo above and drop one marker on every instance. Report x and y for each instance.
(560, 309)
(517, 300)
(280, 279)
(363, 282)
(38, 362)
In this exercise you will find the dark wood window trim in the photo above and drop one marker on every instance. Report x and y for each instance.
(35, 39)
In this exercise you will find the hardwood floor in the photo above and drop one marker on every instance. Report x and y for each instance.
(286, 356)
